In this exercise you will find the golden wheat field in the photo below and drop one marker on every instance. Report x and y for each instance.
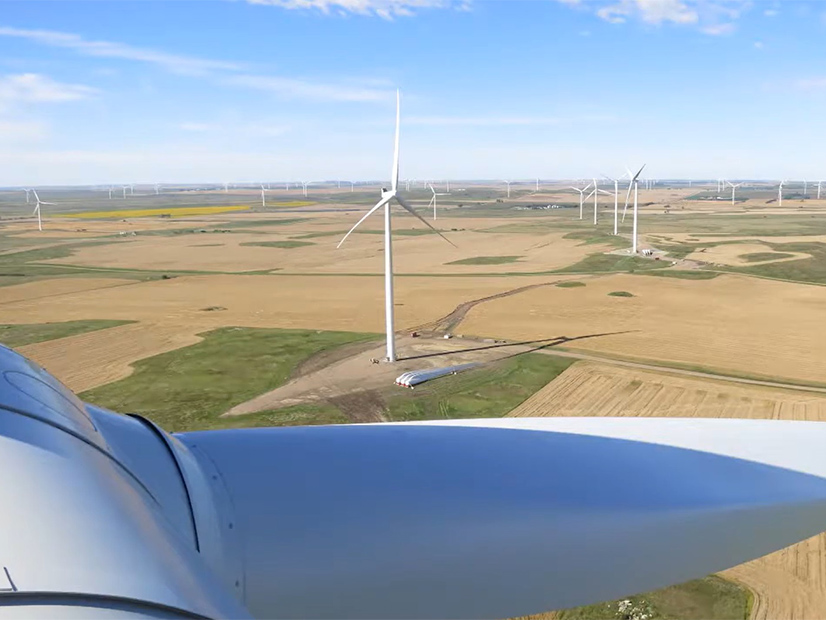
(787, 584)
(171, 212)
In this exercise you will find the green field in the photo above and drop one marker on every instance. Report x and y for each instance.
(757, 257)
(570, 284)
(489, 392)
(20, 335)
(711, 598)
(620, 294)
(486, 260)
(285, 245)
(188, 388)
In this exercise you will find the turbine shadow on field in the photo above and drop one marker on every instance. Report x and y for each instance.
(543, 343)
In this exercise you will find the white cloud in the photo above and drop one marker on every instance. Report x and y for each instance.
(759, 45)
(713, 17)
(815, 83)
(35, 88)
(382, 8)
(293, 88)
(771, 12)
(107, 49)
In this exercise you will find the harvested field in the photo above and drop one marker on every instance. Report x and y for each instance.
(732, 324)
(789, 584)
(55, 288)
(361, 254)
(96, 358)
(171, 312)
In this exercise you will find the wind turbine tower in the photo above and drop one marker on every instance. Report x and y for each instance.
(37, 209)
(387, 197)
(509, 187)
(780, 194)
(633, 185)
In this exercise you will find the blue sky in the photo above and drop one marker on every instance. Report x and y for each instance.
(189, 91)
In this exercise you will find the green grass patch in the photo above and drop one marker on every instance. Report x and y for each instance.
(607, 263)
(20, 335)
(758, 257)
(488, 392)
(811, 269)
(570, 284)
(711, 598)
(285, 245)
(620, 294)
(683, 274)
(591, 237)
(486, 260)
(187, 389)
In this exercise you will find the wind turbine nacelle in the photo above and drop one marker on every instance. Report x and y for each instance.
(108, 516)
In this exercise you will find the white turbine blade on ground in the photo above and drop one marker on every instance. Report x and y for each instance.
(395, 177)
(378, 206)
(461, 519)
(406, 206)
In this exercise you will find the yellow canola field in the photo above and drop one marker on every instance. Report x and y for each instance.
(174, 212)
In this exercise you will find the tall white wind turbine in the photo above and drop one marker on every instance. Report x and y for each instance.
(780, 194)
(263, 197)
(581, 196)
(433, 200)
(633, 184)
(733, 190)
(387, 197)
(819, 183)
(28, 191)
(125, 187)
(37, 209)
(805, 187)
(509, 187)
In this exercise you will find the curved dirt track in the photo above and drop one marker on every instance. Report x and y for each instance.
(789, 584)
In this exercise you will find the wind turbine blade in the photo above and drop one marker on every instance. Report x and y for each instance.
(627, 199)
(378, 206)
(395, 178)
(639, 172)
(36, 197)
(410, 210)
(634, 505)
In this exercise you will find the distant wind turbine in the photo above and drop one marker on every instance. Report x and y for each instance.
(157, 189)
(780, 194)
(733, 190)
(581, 196)
(28, 191)
(805, 187)
(37, 209)
(509, 187)
(387, 197)
(433, 200)
(633, 184)
(819, 183)
(263, 197)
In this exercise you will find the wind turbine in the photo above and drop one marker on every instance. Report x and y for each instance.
(780, 194)
(110, 192)
(581, 196)
(157, 189)
(733, 190)
(125, 187)
(28, 191)
(819, 183)
(537, 185)
(387, 197)
(509, 187)
(633, 183)
(433, 200)
(37, 209)
(805, 187)
(226, 187)
(263, 197)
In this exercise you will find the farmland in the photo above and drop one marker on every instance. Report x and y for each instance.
(228, 307)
